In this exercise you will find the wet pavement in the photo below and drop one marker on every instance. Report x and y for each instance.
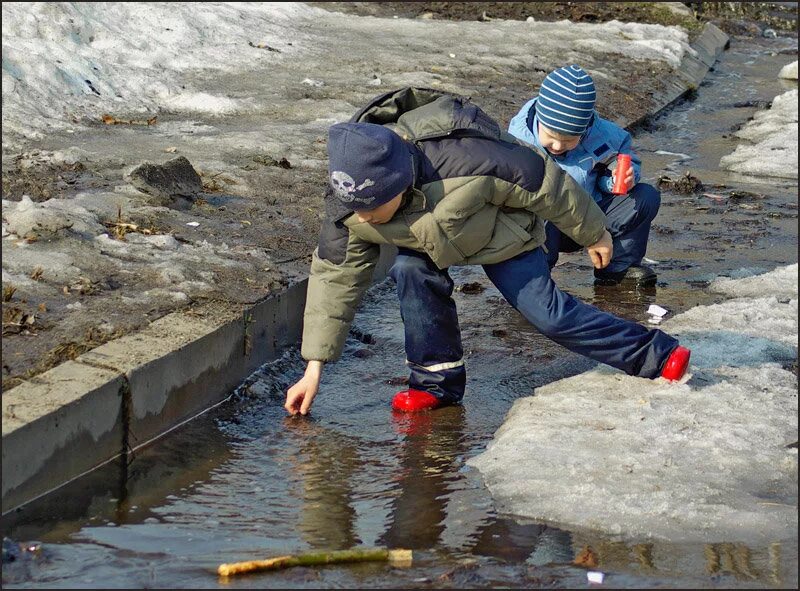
(244, 481)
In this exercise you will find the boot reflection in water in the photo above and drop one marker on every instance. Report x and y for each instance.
(429, 460)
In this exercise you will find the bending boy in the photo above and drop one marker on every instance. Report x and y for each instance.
(434, 175)
(562, 120)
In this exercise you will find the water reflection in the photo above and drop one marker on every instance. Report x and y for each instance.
(537, 544)
(431, 447)
(324, 464)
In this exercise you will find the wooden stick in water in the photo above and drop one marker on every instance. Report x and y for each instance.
(403, 557)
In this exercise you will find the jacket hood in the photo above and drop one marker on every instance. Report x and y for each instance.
(422, 113)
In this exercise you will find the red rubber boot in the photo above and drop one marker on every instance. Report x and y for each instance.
(677, 363)
(414, 401)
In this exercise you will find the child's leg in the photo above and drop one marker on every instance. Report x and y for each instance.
(433, 337)
(526, 284)
(555, 242)
(628, 219)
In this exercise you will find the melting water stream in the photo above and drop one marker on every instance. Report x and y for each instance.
(244, 481)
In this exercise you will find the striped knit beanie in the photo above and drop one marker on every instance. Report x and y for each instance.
(566, 100)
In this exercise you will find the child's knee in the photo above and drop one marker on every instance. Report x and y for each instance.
(408, 266)
(648, 201)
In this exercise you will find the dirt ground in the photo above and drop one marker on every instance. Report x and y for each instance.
(747, 18)
(52, 319)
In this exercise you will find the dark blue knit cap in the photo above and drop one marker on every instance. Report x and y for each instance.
(368, 164)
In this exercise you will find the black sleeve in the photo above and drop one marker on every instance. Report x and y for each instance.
(333, 234)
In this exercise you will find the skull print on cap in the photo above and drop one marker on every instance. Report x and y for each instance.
(345, 187)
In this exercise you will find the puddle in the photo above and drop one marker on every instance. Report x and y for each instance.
(244, 481)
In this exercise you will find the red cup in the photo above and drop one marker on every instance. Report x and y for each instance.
(621, 172)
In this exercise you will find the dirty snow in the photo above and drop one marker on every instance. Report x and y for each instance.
(771, 148)
(68, 63)
(64, 61)
(704, 460)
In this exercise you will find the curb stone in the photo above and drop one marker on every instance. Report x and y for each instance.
(125, 394)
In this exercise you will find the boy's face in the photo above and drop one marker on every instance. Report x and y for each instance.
(557, 143)
(382, 213)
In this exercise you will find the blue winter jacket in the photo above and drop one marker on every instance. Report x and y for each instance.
(588, 162)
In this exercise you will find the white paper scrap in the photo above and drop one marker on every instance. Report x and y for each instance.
(657, 311)
(595, 577)
(193, 224)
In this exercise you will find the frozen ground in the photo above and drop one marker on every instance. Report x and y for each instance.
(711, 459)
(246, 92)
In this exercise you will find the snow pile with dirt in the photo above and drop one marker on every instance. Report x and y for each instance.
(772, 136)
(708, 459)
(67, 63)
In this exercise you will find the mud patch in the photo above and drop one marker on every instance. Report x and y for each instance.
(579, 12)
(42, 180)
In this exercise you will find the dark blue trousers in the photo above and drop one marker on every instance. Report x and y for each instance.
(433, 338)
(628, 220)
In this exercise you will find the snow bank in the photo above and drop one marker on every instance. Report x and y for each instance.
(706, 460)
(652, 42)
(65, 60)
(67, 63)
(773, 136)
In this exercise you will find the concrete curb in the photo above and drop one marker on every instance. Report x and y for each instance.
(123, 395)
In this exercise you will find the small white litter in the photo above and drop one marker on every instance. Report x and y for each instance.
(595, 577)
(311, 82)
(649, 261)
(193, 224)
(452, 55)
(657, 313)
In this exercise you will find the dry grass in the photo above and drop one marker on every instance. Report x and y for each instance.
(121, 227)
(16, 320)
(69, 351)
(8, 292)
